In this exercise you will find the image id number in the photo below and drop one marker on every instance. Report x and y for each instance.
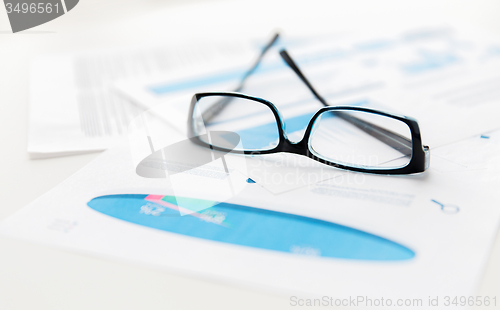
(33, 8)
(470, 301)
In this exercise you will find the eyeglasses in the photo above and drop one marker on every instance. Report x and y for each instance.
(352, 138)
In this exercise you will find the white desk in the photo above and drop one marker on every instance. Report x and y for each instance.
(37, 277)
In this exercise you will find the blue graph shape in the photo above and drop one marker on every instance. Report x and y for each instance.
(252, 227)
(430, 61)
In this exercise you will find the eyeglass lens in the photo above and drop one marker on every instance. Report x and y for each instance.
(361, 139)
(253, 121)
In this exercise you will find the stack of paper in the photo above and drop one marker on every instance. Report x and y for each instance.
(73, 108)
(287, 223)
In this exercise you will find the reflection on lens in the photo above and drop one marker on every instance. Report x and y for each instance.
(361, 139)
(253, 121)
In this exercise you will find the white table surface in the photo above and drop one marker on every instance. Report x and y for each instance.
(38, 277)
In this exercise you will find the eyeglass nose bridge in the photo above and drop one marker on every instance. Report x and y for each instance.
(299, 148)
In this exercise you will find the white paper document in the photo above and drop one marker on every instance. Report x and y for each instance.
(74, 110)
(284, 222)
(443, 76)
(427, 73)
(415, 237)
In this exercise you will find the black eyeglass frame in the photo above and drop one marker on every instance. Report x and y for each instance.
(419, 160)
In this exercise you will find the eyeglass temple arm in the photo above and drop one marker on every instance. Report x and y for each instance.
(218, 106)
(258, 60)
(388, 137)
